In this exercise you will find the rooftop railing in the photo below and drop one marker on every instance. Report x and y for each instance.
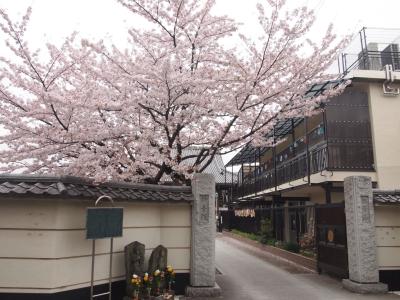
(371, 49)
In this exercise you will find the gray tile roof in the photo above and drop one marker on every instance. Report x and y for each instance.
(216, 167)
(75, 187)
(387, 197)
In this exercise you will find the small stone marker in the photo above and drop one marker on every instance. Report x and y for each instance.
(134, 263)
(158, 259)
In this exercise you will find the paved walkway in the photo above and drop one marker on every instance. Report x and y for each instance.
(249, 274)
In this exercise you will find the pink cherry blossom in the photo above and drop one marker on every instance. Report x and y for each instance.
(129, 114)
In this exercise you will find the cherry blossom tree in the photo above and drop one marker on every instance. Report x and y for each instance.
(89, 109)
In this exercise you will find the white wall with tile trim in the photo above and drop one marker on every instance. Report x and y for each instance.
(43, 246)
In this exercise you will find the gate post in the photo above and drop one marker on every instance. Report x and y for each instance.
(361, 243)
(202, 268)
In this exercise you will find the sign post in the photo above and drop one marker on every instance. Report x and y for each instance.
(103, 222)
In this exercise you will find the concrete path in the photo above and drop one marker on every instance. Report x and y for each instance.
(249, 274)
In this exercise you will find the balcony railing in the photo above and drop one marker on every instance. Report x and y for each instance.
(291, 170)
(333, 156)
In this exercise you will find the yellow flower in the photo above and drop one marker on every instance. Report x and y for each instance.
(157, 272)
(170, 269)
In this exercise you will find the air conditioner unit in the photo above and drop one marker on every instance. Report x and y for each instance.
(391, 56)
(370, 59)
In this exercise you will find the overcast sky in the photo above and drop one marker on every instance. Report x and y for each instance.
(53, 20)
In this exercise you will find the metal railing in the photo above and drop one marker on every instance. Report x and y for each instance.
(371, 49)
(370, 60)
(291, 170)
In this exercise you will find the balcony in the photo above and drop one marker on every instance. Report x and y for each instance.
(322, 156)
(339, 139)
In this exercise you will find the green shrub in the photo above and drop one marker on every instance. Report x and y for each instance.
(266, 228)
(251, 236)
(266, 231)
(268, 241)
(307, 253)
(292, 247)
(263, 240)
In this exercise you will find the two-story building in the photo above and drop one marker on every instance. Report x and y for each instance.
(355, 133)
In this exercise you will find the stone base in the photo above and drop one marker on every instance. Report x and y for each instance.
(205, 291)
(365, 288)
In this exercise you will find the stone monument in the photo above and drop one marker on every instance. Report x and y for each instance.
(202, 269)
(134, 262)
(361, 242)
(158, 259)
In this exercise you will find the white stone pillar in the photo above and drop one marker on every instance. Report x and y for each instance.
(361, 242)
(202, 268)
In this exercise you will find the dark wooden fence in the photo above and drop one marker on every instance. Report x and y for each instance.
(331, 239)
(276, 215)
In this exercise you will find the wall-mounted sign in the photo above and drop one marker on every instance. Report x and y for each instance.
(103, 222)
(331, 236)
(245, 213)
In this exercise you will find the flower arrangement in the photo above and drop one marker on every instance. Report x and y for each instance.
(154, 284)
(158, 278)
(136, 284)
(169, 277)
(147, 284)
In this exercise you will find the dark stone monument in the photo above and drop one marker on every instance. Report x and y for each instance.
(134, 263)
(158, 259)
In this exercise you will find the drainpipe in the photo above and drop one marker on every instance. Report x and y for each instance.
(259, 166)
(293, 139)
(255, 172)
(307, 151)
(326, 137)
(328, 189)
(364, 58)
(242, 181)
(232, 185)
(274, 158)
(225, 194)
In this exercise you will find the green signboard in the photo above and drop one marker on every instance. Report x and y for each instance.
(104, 222)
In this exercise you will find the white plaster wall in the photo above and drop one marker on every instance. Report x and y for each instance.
(43, 243)
(387, 222)
(385, 127)
(319, 197)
